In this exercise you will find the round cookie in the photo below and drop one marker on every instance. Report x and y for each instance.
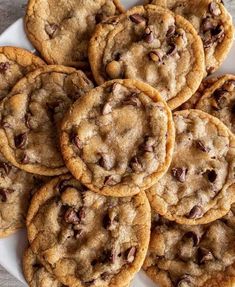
(151, 44)
(192, 256)
(87, 239)
(118, 139)
(192, 102)
(16, 190)
(36, 274)
(219, 101)
(61, 29)
(213, 23)
(31, 116)
(199, 185)
(15, 63)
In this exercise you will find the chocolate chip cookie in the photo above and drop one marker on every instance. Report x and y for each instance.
(118, 139)
(60, 29)
(15, 63)
(192, 102)
(213, 23)
(153, 45)
(16, 190)
(36, 274)
(219, 101)
(199, 185)
(87, 239)
(192, 256)
(31, 116)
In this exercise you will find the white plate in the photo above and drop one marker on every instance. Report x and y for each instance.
(11, 248)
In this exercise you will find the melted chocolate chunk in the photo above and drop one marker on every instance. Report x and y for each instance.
(200, 145)
(195, 212)
(194, 236)
(4, 193)
(204, 255)
(21, 140)
(5, 168)
(4, 66)
(137, 18)
(179, 173)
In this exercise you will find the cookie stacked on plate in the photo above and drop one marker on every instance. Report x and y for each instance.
(103, 142)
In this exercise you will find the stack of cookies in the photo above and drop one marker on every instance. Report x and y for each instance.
(117, 151)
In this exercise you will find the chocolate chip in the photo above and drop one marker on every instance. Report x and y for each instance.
(89, 283)
(110, 180)
(4, 192)
(25, 159)
(204, 255)
(136, 164)
(184, 281)
(137, 18)
(37, 265)
(132, 101)
(170, 32)
(82, 213)
(218, 32)
(149, 144)
(107, 109)
(105, 162)
(106, 221)
(207, 24)
(21, 140)
(5, 168)
(211, 175)
(194, 236)
(172, 50)
(4, 66)
(179, 173)
(76, 141)
(104, 276)
(220, 95)
(71, 216)
(195, 213)
(200, 145)
(148, 37)
(214, 9)
(130, 254)
(156, 56)
(98, 18)
(51, 29)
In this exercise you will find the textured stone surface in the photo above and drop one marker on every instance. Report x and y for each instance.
(10, 11)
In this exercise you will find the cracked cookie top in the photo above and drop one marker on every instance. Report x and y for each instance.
(36, 274)
(153, 45)
(87, 239)
(199, 185)
(31, 116)
(192, 256)
(118, 138)
(219, 101)
(15, 63)
(212, 22)
(16, 190)
(61, 29)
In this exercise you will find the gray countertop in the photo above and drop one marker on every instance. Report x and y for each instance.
(10, 11)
